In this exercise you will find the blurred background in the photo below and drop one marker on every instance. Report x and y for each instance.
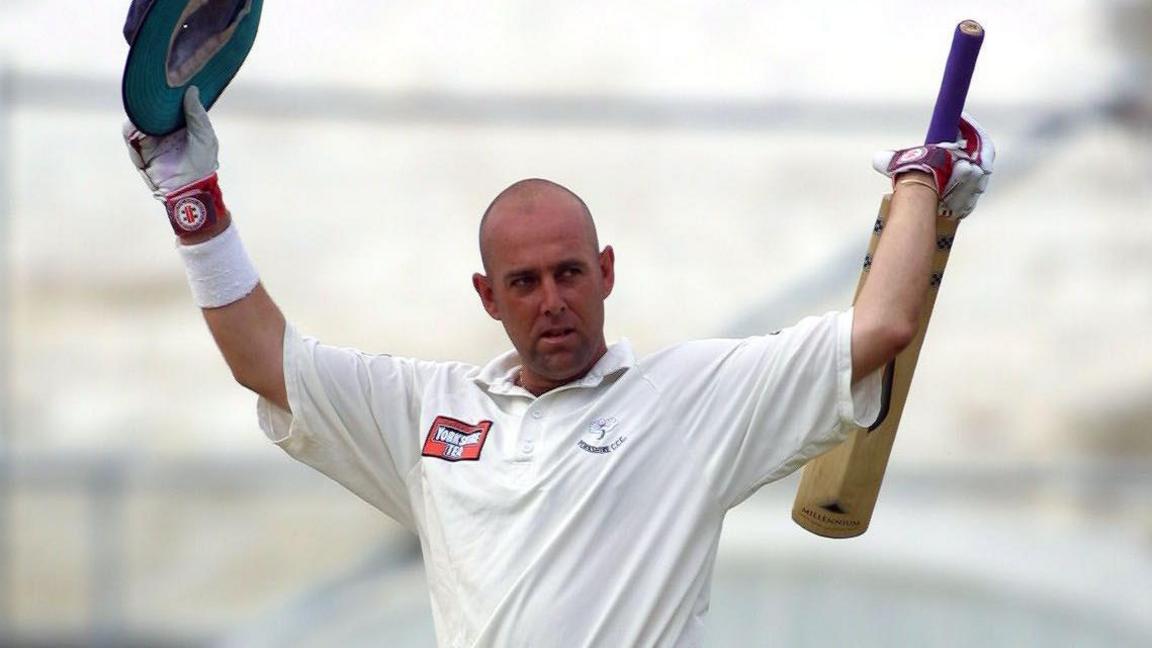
(724, 148)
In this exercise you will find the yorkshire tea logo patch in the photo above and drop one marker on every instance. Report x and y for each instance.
(454, 440)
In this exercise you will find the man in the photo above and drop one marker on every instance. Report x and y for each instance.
(566, 494)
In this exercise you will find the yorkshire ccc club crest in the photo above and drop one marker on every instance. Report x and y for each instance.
(602, 437)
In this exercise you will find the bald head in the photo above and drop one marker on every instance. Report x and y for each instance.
(533, 202)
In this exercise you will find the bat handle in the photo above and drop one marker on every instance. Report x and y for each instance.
(954, 88)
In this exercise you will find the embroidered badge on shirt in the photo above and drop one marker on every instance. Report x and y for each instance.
(599, 438)
(453, 440)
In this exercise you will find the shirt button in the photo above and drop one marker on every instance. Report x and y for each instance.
(536, 414)
(527, 447)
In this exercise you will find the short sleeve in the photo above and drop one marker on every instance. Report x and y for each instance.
(354, 418)
(763, 406)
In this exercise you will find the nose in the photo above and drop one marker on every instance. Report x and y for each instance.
(553, 302)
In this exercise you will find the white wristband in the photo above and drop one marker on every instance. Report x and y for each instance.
(219, 271)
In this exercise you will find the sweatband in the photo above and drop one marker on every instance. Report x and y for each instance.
(219, 270)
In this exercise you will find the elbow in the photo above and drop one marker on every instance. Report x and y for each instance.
(257, 369)
(267, 384)
(898, 335)
(246, 380)
(876, 342)
(887, 338)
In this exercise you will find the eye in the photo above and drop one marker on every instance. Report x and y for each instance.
(522, 282)
(570, 272)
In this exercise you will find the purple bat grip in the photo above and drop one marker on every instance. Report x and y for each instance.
(954, 88)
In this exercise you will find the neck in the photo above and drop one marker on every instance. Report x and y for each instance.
(537, 384)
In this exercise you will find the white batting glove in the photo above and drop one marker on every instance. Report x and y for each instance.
(180, 168)
(960, 169)
(180, 158)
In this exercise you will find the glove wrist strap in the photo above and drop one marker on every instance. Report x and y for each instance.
(929, 159)
(195, 207)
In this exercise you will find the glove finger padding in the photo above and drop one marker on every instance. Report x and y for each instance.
(974, 156)
(133, 138)
(974, 144)
(131, 134)
(966, 187)
(960, 168)
(202, 142)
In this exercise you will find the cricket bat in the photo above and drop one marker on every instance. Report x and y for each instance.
(838, 490)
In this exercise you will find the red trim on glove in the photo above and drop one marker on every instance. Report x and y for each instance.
(196, 206)
(929, 159)
(972, 142)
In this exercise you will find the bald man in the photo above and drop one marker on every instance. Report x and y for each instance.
(566, 494)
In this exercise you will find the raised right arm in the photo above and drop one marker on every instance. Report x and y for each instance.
(248, 327)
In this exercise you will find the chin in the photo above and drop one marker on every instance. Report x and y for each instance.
(563, 368)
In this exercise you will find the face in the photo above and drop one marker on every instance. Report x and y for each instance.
(546, 284)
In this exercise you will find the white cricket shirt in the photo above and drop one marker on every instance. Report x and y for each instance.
(587, 516)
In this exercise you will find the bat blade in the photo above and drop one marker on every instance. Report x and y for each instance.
(838, 490)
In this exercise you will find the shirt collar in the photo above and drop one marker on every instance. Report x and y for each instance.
(499, 375)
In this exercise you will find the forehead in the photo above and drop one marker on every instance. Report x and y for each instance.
(536, 231)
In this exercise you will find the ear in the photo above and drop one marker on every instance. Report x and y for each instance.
(487, 296)
(608, 269)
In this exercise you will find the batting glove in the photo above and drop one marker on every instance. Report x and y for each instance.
(180, 168)
(960, 169)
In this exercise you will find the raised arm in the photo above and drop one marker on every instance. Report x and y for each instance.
(248, 327)
(949, 177)
(887, 310)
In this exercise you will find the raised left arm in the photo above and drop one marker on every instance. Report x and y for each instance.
(887, 310)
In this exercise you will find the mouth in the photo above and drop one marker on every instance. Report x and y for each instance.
(557, 334)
